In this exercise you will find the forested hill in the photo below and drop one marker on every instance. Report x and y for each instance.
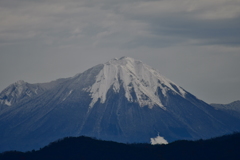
(84, 148)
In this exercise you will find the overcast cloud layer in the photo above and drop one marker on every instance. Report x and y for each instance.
(196, 44)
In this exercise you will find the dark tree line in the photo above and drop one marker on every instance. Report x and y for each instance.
(85, 148)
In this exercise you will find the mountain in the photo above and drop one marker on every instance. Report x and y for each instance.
(72, 148)
(232, 109)
(122, 100)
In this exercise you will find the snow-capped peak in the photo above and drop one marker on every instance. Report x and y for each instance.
(133, 76)
(16, 92)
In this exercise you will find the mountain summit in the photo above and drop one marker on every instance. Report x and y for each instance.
(135, 77)
(123, 100)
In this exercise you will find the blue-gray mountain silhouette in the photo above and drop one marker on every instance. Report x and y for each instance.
(123, 100)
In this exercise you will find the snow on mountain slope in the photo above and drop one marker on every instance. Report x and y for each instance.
(22, 90)
(17, 91)
(135, 77)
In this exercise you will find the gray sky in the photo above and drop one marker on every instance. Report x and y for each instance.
(194, 43)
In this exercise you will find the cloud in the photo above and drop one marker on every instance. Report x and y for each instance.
(60, 35)
(122, 23)
(205, 22)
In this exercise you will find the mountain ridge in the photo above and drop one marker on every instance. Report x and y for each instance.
(122, 100)
(232, 108)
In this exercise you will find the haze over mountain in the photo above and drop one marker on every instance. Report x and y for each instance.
(122, 100)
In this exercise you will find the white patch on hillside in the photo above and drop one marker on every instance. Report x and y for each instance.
(158, 140)
(8, 103)
(133, 76)
(67, 95)
(36, 91)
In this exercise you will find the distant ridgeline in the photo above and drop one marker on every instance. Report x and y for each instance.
(70, 148)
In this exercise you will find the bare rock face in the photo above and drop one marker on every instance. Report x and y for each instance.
(123, 100)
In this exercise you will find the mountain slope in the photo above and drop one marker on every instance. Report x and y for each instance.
(231, 106)
(20, 91)
(123, 100)
(232, 109)
(133, 76)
